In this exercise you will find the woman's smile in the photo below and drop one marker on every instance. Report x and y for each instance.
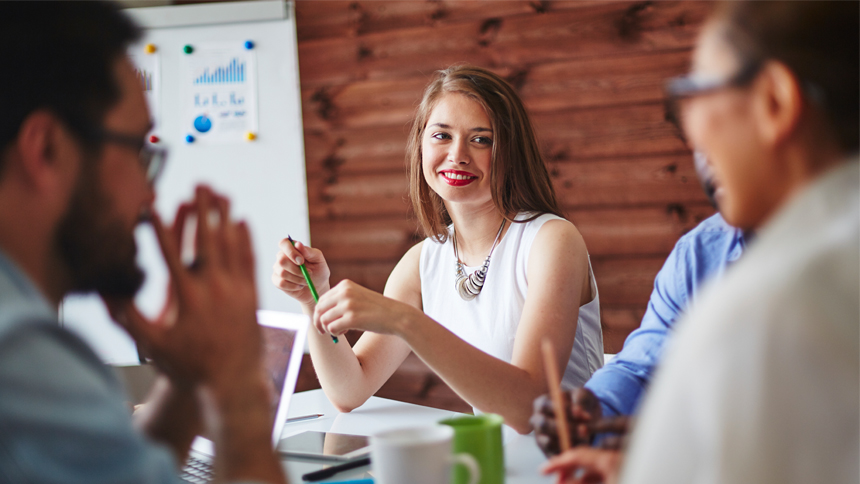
(457, 178)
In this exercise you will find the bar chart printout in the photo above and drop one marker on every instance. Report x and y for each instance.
(220, 93)
(232, 73)
(146, 69)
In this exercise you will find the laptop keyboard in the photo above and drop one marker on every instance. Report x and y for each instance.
(197, 471)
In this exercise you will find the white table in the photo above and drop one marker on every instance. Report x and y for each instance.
(522, 455)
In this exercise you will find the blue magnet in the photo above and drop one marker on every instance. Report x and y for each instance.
(189, 139)
(202, 123)
(249, 44)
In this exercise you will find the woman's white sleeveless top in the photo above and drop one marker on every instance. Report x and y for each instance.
(489, 322)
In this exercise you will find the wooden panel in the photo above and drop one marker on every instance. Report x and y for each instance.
(371, 274)
(617, 323)
(364, 240)
(637, 231)
(644, 180)
(319, 19)
(613, 80)
(604, 29)
(607, 132)
(356, 150)
(378, 195)
(626, 281)
(604, 81)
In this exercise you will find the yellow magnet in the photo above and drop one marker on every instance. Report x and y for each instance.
(149, 49)
(250, 136)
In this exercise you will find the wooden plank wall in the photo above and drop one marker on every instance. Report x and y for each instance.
(591, 76)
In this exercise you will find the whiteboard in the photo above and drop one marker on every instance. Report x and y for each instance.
(264, 178)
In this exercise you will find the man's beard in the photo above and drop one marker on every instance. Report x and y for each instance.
(98, 251)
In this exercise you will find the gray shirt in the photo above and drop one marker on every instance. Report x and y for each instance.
(63, 416)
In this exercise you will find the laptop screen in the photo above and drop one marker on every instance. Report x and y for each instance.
(283, 346)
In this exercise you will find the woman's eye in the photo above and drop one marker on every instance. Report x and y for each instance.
(483, 140)
(440, 136)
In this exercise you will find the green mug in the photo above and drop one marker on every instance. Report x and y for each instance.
(480, 436)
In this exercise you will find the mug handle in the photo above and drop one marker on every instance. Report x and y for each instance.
(470, 463)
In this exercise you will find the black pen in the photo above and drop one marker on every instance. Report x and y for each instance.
(330, 471)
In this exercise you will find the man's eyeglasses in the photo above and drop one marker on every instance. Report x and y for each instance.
(695, 84)
(151, 159)
(691, 85)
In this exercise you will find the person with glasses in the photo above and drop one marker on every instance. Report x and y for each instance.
(761, 382)
(615, 391)
(76, 178)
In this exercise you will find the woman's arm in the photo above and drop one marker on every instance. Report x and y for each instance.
(557, 272)
(349, 376)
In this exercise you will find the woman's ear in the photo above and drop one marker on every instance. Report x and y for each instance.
(779, 103)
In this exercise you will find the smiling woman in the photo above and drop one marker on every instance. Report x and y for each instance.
(499, 271)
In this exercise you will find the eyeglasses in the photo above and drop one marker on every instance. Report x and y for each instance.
(696, 84)
(692, 85)
(151, 159)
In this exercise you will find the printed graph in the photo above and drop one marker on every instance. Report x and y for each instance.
(144, 78)
(232, 73)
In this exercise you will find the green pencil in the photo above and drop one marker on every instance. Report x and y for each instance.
(310, 283)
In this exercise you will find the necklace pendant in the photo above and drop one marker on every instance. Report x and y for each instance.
(466, 289)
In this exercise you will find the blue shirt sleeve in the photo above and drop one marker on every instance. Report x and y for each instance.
(63, 416)
(621, 383)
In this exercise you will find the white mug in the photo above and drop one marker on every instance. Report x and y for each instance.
(420, 455)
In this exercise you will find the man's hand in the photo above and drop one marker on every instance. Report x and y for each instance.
(207, 339)
(585, 465)
(582, 410)
(207, 332)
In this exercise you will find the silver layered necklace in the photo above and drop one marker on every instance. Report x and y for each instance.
(468, 287)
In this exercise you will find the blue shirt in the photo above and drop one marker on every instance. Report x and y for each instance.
(699, 255)
(63, 416)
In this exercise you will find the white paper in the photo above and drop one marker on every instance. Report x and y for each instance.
(220, 93)
(147, 69)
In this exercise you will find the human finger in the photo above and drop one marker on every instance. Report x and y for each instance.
(310, 254)
(170, 251)
(286, 261)
(206, 253)
(291, 253)
(179, 222)
(619, 425)
(327, 309)
(227, 231)
(292, 275)
(585, 464)
(245, 249)
(126, 314)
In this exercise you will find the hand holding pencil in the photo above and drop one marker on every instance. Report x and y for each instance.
(299, 270)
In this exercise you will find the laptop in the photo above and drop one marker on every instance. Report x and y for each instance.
(283, 346)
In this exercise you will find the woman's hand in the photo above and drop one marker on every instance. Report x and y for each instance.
(287, 275)
(350, 306)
